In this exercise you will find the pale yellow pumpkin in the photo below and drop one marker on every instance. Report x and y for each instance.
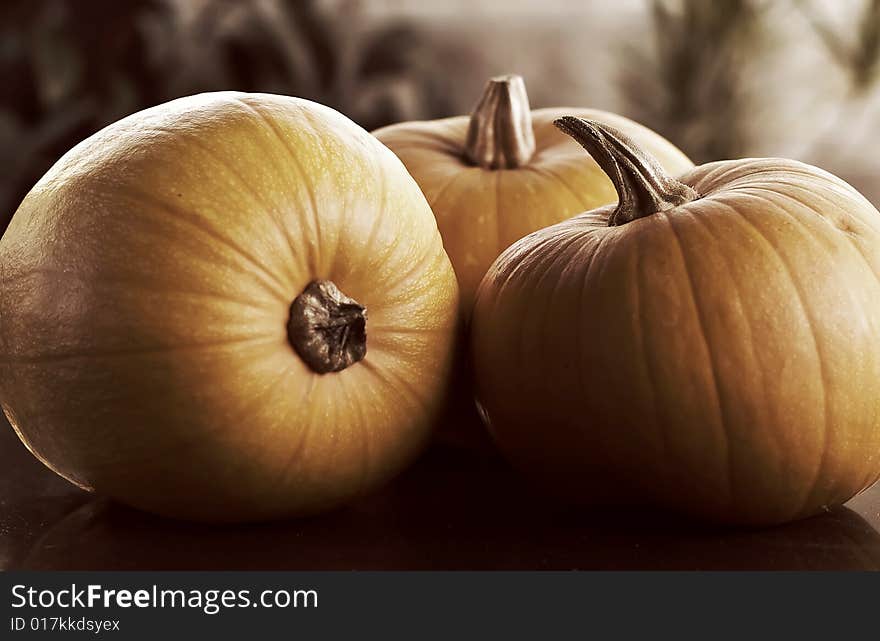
(182, 321)
(506, 171)
(710, 345)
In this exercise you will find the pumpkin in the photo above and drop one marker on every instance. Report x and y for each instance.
(506, 171)
(491, 178)
(710, 345)
(228, 307)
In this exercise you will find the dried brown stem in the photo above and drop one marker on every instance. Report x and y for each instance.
(643, 187)
(500, 134)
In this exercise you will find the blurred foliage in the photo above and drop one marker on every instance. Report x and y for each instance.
(70, 67)
(63, 80)
(694, 81)
(857, 54)
(687, 83)
(375, 76)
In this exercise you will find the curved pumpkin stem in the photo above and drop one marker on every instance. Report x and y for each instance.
(327, 329)
(500, 134)
(643, 187)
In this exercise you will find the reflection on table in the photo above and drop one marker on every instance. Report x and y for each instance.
(455, 509)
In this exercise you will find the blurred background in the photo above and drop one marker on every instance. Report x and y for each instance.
(721, 79)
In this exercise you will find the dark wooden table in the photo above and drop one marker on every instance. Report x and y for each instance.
(453, 510)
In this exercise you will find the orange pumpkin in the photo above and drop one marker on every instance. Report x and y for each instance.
(710, 344)
(231, 306)
(506, 171)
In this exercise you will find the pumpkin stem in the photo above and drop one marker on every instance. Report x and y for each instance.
(500, 134)
(327, 328)
(643, 187)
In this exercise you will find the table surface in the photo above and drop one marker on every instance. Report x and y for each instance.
(455, 509)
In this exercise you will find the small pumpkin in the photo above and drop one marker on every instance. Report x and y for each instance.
(711, 344)
(228, 307)
(505, 171)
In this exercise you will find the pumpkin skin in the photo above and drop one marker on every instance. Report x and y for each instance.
(146, 290)
(720, 358)
(482, 210)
